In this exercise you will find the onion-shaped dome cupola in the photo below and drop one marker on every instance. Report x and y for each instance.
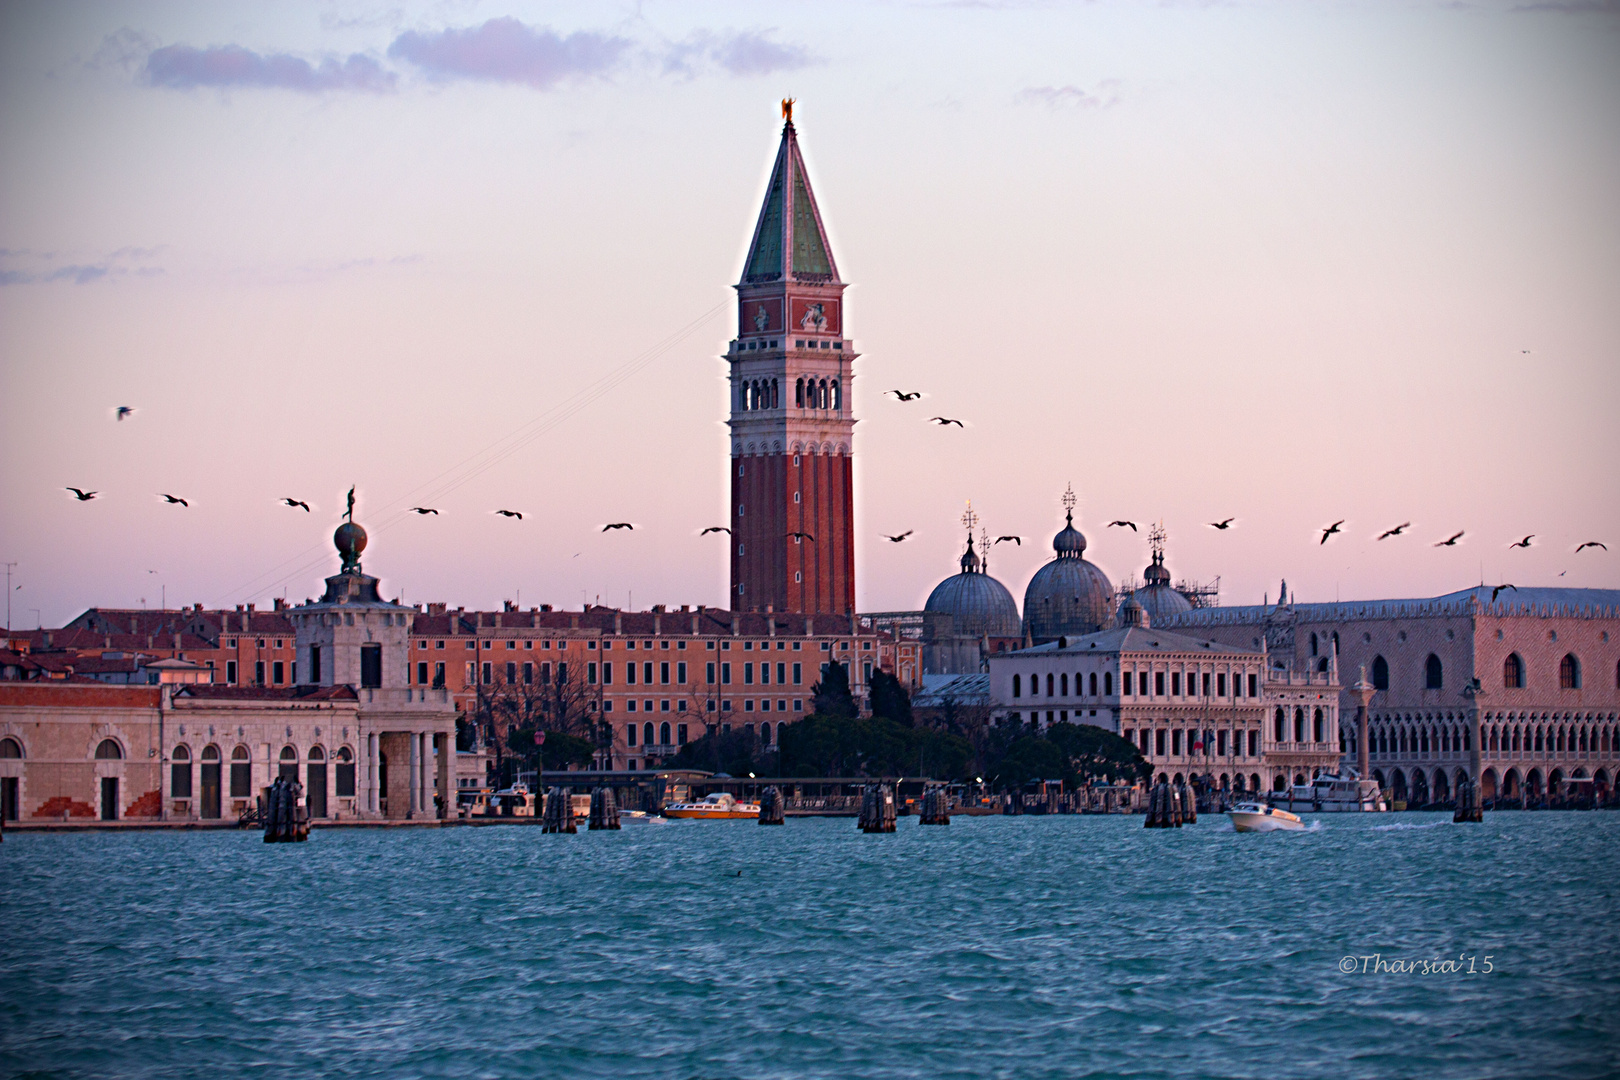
(979, 605)
(1068, 596)
(1157, 597)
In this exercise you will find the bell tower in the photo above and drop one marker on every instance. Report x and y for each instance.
(792, 428)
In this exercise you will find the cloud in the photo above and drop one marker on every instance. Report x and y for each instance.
(43, 267)
(1104, 95)
(1574, 7)
(506, 50)
(748, 52)
(184, 67)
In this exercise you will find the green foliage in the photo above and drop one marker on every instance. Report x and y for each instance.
(559, 751)
(1032, 758)
(889, 699)
(736, 752)
(831, 696)
(1077, 754)
(822, 745)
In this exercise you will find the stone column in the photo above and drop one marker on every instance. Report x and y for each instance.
(424, 797)
(447, 774)
(1471, 694)
(1363, 692)
(373, 753)
(411, 773)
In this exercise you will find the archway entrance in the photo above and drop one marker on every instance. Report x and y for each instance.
(109, 798)
(210, 782)
(1441, 788)
(1420, 788)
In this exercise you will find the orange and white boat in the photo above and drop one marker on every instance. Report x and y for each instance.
(721, 806)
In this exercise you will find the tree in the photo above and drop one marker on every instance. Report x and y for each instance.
(889, 699)
(831, 697)
(555, 698)
(735, 752)
(1096, 753)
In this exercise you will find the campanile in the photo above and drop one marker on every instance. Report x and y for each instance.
(792, 496)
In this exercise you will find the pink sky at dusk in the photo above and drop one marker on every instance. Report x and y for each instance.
(1288, 263)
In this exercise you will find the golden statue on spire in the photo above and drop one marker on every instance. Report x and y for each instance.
(787, 109)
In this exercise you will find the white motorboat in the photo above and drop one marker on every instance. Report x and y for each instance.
(721, 806)
(1330, 794)
(1254, 817)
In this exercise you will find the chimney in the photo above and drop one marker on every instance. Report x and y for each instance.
(497, 616)
(769, 608)
(658, 621)
(770, 624)
(507, 605)
(281, 604)
(573, 621)
(545, 607)
(196, 607)
(252, 608)
(618, 622)
(809, 626)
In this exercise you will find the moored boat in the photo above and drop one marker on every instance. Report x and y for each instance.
(1255, 817)
(1331, 794)
(721, 806)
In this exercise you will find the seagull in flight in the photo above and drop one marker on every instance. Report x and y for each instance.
(1583, 547)
(297, 503)
(172, 499)
(424, 510)
(1522, 543)
(1019, 540)
(82, 496)
(715, 528)
(1123, 524)
(903, 396)
(1396, 531)
(943, 421)
(897, 539)
(1450, 541)
(797, 536)
(1497, 591)
(510, 513)
(618, 525)
(125, 410)
(1227, 524)
(1330, 530)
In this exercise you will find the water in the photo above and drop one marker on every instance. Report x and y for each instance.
(995, 947)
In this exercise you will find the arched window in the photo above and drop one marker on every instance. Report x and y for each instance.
(10, 748)
(1018, 686)
(1281, 723)
(241, 773)
(1317, 724)
(1299, 725)
(663, 733)
(180, 773)
(1432, 673)
(1513, 672)
(1380, 673)
(823, 394)
(1313, 643)
(1049, 685)
(288, 765)
(776, 394)
(1092, 682)
(647, 734)
(837, 400)
(1569, 673)
(317, 754)
(798, 394)
(345, 773)
(109, 750)
(1539, 743)
(765, 734)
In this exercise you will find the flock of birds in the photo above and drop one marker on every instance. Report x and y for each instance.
(902, 396)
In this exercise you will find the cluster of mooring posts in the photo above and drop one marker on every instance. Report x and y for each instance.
(772, 807)
(558, 813)
(604, 809)
(877, 809)
(1468, 808)
(936, 807)
(1170, 806)
(285, 821)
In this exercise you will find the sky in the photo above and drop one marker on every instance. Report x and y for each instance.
(1284, 263)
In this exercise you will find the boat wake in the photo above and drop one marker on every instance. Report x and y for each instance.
(1401, 826)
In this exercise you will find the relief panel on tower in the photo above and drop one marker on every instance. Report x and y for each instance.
(760, 316)
(816, 315)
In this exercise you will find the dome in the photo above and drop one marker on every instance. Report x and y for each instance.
(1132, 613)
(1161, 602)
(1067, 597)
(1071, 542)
(978, 604)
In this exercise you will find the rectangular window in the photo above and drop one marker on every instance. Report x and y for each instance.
(1127, 680)
(590, 674)
(230, 668)
(663, 672)
(1206, 684)
(630, 673)
(438, 676)
(1175, 743)
(241, 779)
(630, 733)
(180, 780)
(798, 674)
(1254, 686)
(725, 674)
(781, 674)
(1175, 684)
(680, 734)
(866, 669)
(345, 779)
(680, 672)
(1220, 685)
(708, 671)
(1146, 749)
(1220, 743)
(607, 673)
(1254, 744)
(562, 674)
(371, 666)
(278, 672)
(258, 673)
(470, 678)
(1158, 743)
(489, 672)
(421, 673)
(646, 672)
(1158, 683)
(511, 673)
(748, 674)
(528, 673)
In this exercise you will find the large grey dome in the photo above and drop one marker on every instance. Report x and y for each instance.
(978, 604)
(1068, 596)
(1161, 602)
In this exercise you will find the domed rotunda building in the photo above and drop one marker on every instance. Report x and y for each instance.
(1158, 599)
(978, 604)
(1068, 596)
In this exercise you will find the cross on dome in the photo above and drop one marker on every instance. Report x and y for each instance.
(970, 519)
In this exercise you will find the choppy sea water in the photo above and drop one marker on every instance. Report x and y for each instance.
(994, 947)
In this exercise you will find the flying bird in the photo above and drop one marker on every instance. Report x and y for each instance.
(510, 513)
(715, 528)
(802, 536)
(297, 502)
(1019, 540)
(1227, 524)
(1450, 541)
(82, 496)
(618, 525)
(125, 410)
(1396, 531)
(1522, 543)
(424, 510)
(1124, 524)
(172, 499)
(897, 539)
(942, 421)
(1583, 547)
(1330, 530)
(1497, 591)
(903, 396)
